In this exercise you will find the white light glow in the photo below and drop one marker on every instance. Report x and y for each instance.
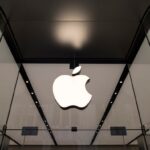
(71, 91)
(32, 93)
(72, 33)
(72, 28)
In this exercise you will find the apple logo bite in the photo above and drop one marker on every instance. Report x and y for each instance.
(70, 91)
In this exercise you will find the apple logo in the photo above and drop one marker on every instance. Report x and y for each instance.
(70, 91)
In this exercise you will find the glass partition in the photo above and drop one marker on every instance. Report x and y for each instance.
(139, 75)
(8, 78)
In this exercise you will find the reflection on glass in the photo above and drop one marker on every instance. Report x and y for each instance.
(72, 33)
(72, 29)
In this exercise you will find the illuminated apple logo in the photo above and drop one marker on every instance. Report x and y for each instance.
(70, 91)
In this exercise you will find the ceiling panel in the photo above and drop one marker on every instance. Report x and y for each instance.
(53, 9)
(39, 40)
(57, 29)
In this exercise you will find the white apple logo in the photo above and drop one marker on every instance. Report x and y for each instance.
(70, 91)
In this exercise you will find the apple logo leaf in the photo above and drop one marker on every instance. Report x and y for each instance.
(76, 70)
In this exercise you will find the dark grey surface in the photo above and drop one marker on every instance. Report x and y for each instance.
(30, 131)
(113, 25)
(117, 131)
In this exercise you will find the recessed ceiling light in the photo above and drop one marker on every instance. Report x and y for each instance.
(36, 102)
(121, 82)
(115, 93)
(27, 81)
(32, 93)
(111, 102)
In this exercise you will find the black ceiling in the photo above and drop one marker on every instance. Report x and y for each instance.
(110, 26)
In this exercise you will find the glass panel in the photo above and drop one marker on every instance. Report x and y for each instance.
(80, 137)
(42, 138)
(23, 111)
(105, 138)
(124, 111)
(140, 73)
(8, 76)
(140, 76)
(16, 135)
